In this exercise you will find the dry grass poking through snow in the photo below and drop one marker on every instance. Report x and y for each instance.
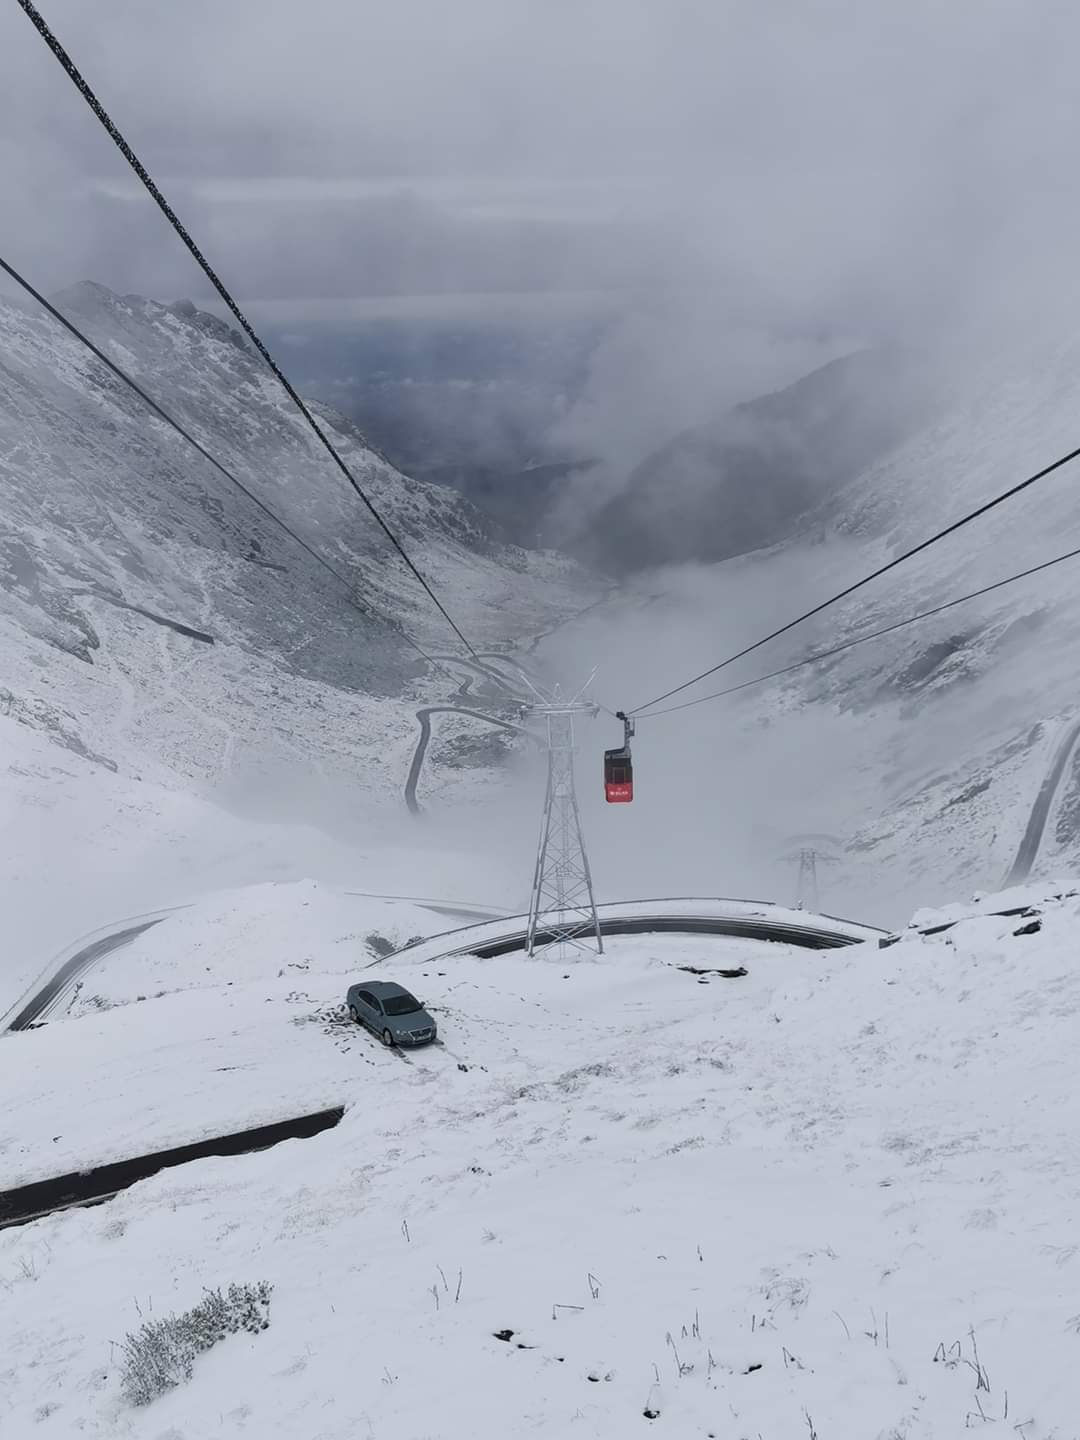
(161, 1354)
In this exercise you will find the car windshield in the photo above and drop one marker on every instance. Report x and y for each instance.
(400, 1005)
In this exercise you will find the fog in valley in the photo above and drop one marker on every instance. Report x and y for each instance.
(563, 259)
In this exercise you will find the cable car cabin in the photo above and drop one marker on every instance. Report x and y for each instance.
(618, 776)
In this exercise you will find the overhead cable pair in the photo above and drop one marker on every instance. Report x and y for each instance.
(133, 160)
(361, 604)
(88, 95)
(866, 579)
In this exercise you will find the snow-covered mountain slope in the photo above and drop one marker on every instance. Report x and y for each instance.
(123, 731)
(83, 847)
(921, 753)
(830, 1197)
(106, 514)
(974, 697)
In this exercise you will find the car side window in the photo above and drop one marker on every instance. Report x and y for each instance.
(365, 996)
(373, 1001)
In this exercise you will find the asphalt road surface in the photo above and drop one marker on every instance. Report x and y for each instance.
(34, 1008)
(1028, 851)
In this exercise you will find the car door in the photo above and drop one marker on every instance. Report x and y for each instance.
(370, 1010)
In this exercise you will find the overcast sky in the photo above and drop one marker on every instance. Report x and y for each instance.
(797, 149)
(858, 167)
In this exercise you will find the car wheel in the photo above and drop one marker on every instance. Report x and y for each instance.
(353, 1016)
(387, 1038)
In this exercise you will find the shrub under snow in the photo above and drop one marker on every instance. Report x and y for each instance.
(161, 1353)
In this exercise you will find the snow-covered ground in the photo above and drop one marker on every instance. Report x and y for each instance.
(830, 1197)
(82, 847)
(142, 767)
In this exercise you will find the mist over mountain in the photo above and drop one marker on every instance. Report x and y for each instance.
(512, 411)
(124, 557)
(742, 481)
(472, 402)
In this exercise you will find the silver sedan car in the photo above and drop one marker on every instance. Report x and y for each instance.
(391, 1013)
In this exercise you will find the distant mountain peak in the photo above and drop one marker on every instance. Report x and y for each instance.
(208, 323)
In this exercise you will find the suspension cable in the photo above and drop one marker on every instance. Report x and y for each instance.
(38, 20)
(364, 606)
(862, 639)
(866, 579)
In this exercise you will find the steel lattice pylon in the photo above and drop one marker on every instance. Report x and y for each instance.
(807, 883)
(809, 856)
(562, 910)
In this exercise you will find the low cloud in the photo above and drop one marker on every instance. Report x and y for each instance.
(749, 185)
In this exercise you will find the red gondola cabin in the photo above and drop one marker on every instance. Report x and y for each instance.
(618, 776)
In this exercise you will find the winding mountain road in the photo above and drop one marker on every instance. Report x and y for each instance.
(487, 672)
(496, 935)
(1030, 844)
(678, 915)
(65, 972)
(423, 740)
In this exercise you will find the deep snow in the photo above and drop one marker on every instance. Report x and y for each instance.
(773, 1199)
